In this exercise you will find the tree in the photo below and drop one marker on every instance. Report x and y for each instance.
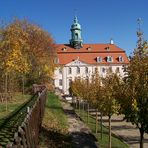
(13, 60)
(95, 94)
(108, 101)
(42, 52)
(134, 91)
(27, 51)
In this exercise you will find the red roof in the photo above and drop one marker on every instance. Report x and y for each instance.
(89, 53)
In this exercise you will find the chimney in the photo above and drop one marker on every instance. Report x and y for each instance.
(111, 41)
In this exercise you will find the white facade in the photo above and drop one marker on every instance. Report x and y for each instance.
(81, 60)
(67, 73)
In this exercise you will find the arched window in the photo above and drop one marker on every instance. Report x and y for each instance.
(86, 70)
(103, 70)
(96, 69)
(60, 82)
(76, 35)
(60, 70)
(87, 79)
(69, 70)
(70, 81)
(78, 70)
(117, 70)
(110, 70)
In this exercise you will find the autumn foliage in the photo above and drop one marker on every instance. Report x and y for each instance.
(26, 51)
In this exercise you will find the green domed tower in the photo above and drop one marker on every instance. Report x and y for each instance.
(76, 39)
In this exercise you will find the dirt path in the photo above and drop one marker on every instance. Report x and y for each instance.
(81, 134)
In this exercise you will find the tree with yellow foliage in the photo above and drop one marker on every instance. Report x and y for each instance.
(133, 95)
(108, 101)
(27, 51)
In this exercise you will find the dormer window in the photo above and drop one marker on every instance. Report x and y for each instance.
(64, 49)
(109, 59)
(99, 59)
(107, 48)
(89, 48)
(121, 59)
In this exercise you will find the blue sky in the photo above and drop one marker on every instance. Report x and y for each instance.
(100, 19)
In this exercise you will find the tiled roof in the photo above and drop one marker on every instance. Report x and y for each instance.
(89, 53)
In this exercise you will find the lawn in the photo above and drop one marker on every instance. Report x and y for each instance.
(15, 102)
(116, 141)
(54, 125)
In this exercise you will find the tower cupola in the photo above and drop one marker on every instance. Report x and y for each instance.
(76, 39)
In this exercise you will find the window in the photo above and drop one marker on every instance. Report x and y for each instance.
(78, 70)
(69, 70)
(89, 48)
(86, 70)
(110, 69)
(117, 70)
(70, 81)
(76, 35)
(109, 59)
(60, 82)
(99, 59)
(78, 78)
(103, 70)
(87, 79)
(121, 59)
(96, 69)
(64, 49)
(60, 70)
(107, 48)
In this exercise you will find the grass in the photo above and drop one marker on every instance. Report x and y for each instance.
(14, 103)
(116, 141)
(12, 118)
(54, 125)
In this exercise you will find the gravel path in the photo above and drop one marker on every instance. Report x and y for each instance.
(128, 132)
(81, 134)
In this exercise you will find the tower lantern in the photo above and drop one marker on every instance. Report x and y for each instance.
(76, 39)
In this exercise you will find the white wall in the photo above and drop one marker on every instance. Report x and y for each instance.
(65, 76)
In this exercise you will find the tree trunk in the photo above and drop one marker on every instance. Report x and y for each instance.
(109, 119)
(83, 109)
(23, 83)
(76, 104)
(141, 137)
(79, 106)
(83, 105)
(87, 113)
(96, 121)
(73, 102)
(6, 83)
(6, 90)
(101, 127)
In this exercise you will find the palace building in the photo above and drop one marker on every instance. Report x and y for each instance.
(81, 60)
